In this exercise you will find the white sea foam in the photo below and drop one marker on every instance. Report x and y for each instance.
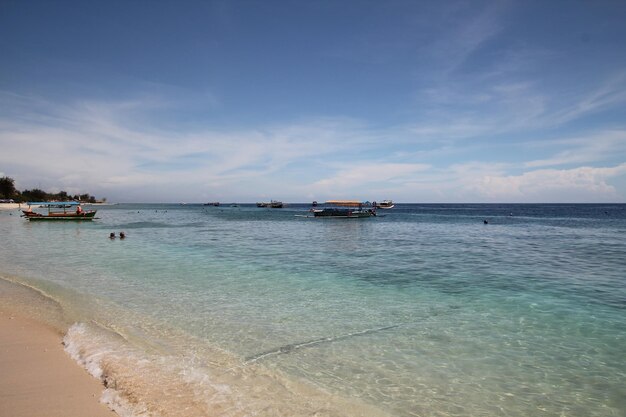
(142, 384)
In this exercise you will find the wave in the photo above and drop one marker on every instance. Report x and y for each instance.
(145, 384)
(179, 376)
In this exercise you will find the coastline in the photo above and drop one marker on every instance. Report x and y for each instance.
(38, 376)
(48, 360)
(10, 206)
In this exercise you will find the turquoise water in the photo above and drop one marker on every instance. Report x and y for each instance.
(424, 311)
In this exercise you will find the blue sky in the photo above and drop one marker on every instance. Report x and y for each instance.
(415, 101)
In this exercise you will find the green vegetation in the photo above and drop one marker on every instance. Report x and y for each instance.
(8, 191)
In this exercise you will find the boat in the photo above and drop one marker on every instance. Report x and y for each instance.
(61, 212)
(271, 204)
(385, 204)
(348, 209)
(214, 204)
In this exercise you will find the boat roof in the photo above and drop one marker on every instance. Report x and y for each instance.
(345, 203)
(53, 203)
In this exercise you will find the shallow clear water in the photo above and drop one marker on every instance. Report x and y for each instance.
(423, 311)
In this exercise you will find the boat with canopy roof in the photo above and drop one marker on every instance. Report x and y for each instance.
(348, 209)
(59, 211)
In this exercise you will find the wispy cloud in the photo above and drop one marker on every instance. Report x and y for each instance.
(366, 177)
(94, 144)
(610, 93)
(597, 146)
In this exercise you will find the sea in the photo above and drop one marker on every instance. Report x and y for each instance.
(424, 310)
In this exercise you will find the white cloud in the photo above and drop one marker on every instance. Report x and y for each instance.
(596, 146)
(365, 177)
(583, 184)
(96, 146)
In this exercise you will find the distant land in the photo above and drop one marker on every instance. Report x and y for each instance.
(8, 192)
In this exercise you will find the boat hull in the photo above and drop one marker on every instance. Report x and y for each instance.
(271, 204)
(386, 204)
(61, 216)
(343, 213)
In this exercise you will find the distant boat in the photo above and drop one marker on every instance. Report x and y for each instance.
(347, 209)
(215, 204)
(385, 204)
(314, 203)
(271, 204)
(64, 214)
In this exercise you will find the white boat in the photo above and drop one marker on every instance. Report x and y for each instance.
(385, 204)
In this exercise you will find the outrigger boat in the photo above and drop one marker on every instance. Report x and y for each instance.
(347, 209)
(79, 214)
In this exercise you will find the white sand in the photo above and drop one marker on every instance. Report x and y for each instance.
(9, 206)
(38, 378)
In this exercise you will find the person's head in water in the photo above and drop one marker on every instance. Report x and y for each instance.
(122, 235)
(112, 235)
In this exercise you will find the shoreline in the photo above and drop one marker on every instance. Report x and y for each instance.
(10, 206)
(58, 357)
(38, 376)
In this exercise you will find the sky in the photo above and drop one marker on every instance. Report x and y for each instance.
(245, 101)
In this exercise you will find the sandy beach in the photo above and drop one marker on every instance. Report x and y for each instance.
(38, 378)
(10, 206)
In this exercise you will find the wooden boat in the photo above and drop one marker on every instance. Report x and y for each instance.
(347, 209)
(385, 204)
(61, 213)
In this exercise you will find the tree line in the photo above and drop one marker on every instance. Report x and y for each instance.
(9, 192)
